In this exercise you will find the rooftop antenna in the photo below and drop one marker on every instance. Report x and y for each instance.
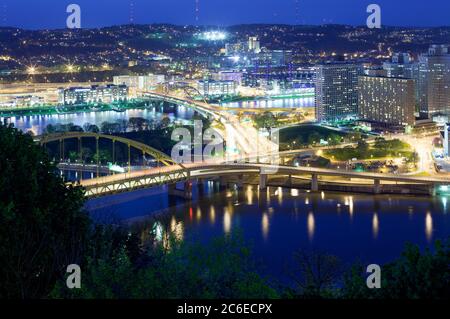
(131, 11)
(197, 10)
(297, 12)
(3, 14)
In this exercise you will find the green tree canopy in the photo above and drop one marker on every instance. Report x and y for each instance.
(42, 223)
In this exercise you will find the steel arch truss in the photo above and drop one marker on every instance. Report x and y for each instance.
(146, 150)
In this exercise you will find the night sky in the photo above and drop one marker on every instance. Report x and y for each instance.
(37, 14)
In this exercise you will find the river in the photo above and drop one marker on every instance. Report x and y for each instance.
(278, 222)
(38, 123)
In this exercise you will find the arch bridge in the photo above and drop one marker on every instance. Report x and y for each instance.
(159, 156)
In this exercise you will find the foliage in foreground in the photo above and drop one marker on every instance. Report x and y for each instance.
(414, 275)
(222, 269)
(42, 224)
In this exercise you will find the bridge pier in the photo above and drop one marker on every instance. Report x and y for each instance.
(289, 181)
(223, 182)
(185, 193)
(262, 181)
(314, 183)
(377, 186)
(240, 182)
(432, 190)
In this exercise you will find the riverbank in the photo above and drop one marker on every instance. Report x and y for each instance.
(69, 109)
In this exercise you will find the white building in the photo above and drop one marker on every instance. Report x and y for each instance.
(139, 82)
(93, 94)
(211, 88)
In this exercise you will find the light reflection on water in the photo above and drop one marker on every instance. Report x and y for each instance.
(37, 123)
(273, 103)
(277, 221)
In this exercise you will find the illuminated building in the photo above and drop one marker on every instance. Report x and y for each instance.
(446, 140)
(387, 101)
(228, 76)
(234, 48)
(337, 91)
(254, 45)
(401, 66)
(23, 101)
(93, 94)
(211, 88)
(282, 77)
(142, 83)
(273, 58)
(434, 82)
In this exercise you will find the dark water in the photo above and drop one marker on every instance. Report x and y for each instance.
(278, 222)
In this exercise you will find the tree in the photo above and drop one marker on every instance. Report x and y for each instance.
(265, 120)
(314, 138)
(415, 275)
(165, 123)
(315, 274)
(43, 227)
(110, 128)
(363, 148)
(221, 269)
(138, 124)
(91, 128)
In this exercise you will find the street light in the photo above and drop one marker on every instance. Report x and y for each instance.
(31, 69)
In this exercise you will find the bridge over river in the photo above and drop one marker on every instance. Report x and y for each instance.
(173, 174)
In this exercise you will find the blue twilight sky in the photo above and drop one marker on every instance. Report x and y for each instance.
(36, 14)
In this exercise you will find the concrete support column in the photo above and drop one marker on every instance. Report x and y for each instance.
(223, 181)
(314, 183)
(432, 190)
(240, 182)
(188, 189)
(289, 181)
(377, 186)
(262, 181)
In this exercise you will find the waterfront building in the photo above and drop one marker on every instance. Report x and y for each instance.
(211, 88)
(235, 76)
(434, 82)
(337, 91)
(446, 140)
(22, 101)
(139, 82)
(387, 101)
(284, 77)
(93, 94)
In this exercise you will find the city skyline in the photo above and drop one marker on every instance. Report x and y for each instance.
(205, 159)
(28, 15)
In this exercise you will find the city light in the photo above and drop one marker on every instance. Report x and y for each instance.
(200, 149)
(213, 36)
(31, 69)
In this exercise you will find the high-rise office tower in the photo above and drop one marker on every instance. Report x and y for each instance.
(254, 45)
(434, 81)
(387, 101)
(401, 66)
(337, 91)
